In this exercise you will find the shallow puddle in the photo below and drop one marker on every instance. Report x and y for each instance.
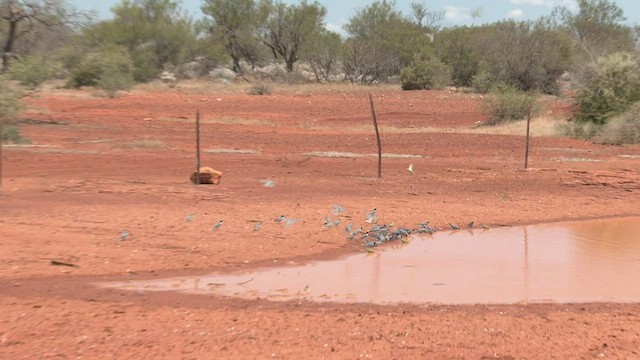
(592, 261)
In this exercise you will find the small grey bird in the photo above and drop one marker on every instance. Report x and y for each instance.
(189, 217)
(123, 235)
(348, 228)
(257, 226)
(218, 225)
(454, 226)
(470, 225)
(371, 217)
(337, 209)
(280, 219)
(268, 183)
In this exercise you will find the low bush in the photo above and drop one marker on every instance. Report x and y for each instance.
(505, 104)
(623, 129)
(579, 130)
(483, 82)
(109, 68)
(608, 88)
(10, 104)
(32, 71)
(11, 135)
(260, 89)
(426, 75)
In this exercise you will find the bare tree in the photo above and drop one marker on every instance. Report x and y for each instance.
(285, 29)
(426, 19)
(234, 22)
(24, 17)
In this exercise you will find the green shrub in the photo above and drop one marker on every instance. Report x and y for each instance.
(32, 71)
(145, 64)
(11, 135)
(483, 82)
(113, 79)
(426, 74)
(10, 105)
(623, 129)
(608, 88)
(109, 68)
(580, 130)
(505, 104)
(260, 89)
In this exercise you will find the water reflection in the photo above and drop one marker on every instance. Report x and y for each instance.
(565, 262)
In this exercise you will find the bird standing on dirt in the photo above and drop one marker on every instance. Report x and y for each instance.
(189, 217)
(257, 226)
(371, 217)
(123, 235)
(410, 169)
(454, 226)
(337, 209)
(218, 225)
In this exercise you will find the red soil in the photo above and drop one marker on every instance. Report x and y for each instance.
(70, 203)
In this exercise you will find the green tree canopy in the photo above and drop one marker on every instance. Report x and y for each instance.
(381, 42)
(156, 33)
(234, 24)
(286, 28)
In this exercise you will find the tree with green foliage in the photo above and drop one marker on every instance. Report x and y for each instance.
(155, 32)
(527, 55)
(598, 27)
(382, 41)
(323, 53)
(455, 47)
(234, 23)
(285, 29)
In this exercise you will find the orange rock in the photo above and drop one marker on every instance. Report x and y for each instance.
(207, 176)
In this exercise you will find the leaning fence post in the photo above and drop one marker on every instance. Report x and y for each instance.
(526, 153)
(375, 125)
(1, 123)
(198, 147)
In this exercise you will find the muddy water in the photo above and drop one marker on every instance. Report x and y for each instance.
(593, 261)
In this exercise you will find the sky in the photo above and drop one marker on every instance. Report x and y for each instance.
(457, 12)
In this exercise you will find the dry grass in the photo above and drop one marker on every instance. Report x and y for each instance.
(227, 120)
(201, 86)
(231, 151)
(143, 144)
(574, 159)
(540, 126)
(350, 155)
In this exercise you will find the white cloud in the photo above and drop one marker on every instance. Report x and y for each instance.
(528, 2)
(456, 13)
(335, 28)
(517, 13)
(570, 4)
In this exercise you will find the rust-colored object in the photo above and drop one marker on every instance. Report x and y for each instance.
(207, 176)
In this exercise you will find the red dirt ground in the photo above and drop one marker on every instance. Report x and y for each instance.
(106, 165)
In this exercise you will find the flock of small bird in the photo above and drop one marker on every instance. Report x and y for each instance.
(376, 235)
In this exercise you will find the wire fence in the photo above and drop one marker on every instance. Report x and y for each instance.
(423, 120)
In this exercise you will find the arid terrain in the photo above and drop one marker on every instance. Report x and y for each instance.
(98, 166)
